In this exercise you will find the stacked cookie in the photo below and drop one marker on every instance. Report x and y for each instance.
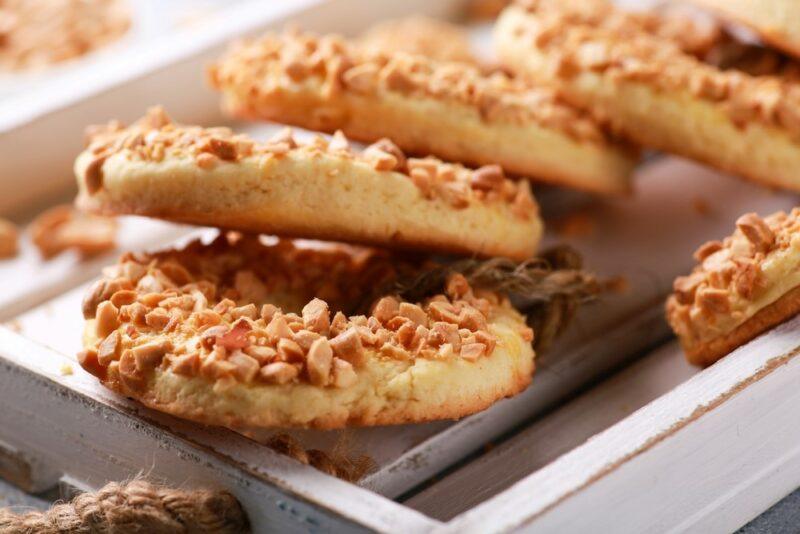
(654, 87)
(246, 332)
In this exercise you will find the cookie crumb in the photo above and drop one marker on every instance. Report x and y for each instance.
(63, 228)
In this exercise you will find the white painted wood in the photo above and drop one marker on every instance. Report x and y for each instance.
(555, 434)
(61, 419)
(677, 463)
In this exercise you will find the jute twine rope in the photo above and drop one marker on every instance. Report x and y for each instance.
(140, 506)
(136, 506)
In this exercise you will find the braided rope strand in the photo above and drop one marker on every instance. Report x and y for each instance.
(136, 506)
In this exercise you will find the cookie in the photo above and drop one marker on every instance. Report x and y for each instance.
(743, 286)
(650, 86)
(321, 189)
(245, 333)
(449, 110)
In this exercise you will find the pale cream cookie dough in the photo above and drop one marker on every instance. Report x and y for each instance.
(321, 189)
(247, 334)
(742, 286)
(450, 110)
(649, 86)
(777, 22)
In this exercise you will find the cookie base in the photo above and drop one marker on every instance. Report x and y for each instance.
(783, 309)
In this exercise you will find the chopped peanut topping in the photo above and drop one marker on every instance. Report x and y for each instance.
(729, 275)
(185, 312)
(267, 66)
(594, 36)
(211, 147)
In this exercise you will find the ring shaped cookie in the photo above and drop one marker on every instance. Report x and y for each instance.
(743, 286)
(651, 89)
(247, 334)
(450, 110)
(321, 189)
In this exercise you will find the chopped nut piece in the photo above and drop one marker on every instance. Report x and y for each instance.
(87, 358)
(348, 346)
(221, 148)
(206, 161)
(106, 320)
(685, 287)
(344, 375)
(318, 362)
(305, 338)
(248, 311)
(488, 178)
(707, 249)
(186, 365)
(382, 161)
(158, 318)
(123, 297)
(109, 349)
(316, 316)
(756, 231)
(129, 374)
(362, 79)
(413, 312)
(8, 239)
(245, 367)
(290, 351)
(263, 355)
(268, 312)
(149, 355)
(394, 352)
(278, 329)
(385, 309)
(472, 351)
(236, 337)
(92, 298)
(713, 300)
(443, 311)
(278, 373)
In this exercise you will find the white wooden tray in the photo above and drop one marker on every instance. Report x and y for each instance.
(669, 447)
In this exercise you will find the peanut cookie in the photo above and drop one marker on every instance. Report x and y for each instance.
(743, 286)
(449, 110)
(247, 334)
(321, 189)
(648, 83)
(35, 34)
